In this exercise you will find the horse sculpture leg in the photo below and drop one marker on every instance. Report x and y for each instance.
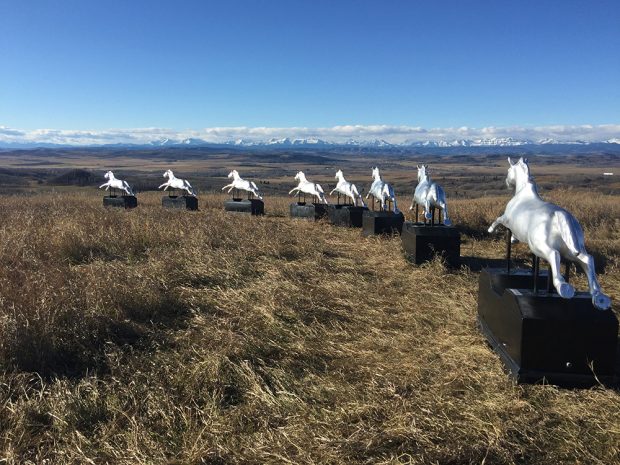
(427, 210)
(599, 300)
(446, 218)
(564, 289)
(500, 220)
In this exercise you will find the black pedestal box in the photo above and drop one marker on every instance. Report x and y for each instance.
(422, 242)
(541, 335)
(124, 201)
(187, 202)
(309, 211)
(381, 222)
(346, 215)
(251, 206)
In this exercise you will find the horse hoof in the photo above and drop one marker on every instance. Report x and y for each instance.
(566, 290)
(447, 222)
(601, 301)
(490, 230)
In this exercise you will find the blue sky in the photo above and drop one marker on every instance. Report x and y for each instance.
(96, 65)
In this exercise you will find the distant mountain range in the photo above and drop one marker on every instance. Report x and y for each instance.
(323, 144)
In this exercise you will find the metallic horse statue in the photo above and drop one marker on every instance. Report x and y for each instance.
(348, 189)
(241, 184)
(308, 187)
(116, 183)
(550, 231)
(381, 190)
(176, 183)
(429, 194)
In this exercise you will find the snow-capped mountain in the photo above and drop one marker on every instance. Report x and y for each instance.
(162, 142)
(193, 141)
(491, 142)
(316, 143)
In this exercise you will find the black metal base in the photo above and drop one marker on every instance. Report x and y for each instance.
(310, 211)
(543, 336)
(251, 206)
(423, 242)
(381, 222)
(123, 201)
(346, 215)
(188, 202)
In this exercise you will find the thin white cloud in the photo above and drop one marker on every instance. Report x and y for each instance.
(392, 134)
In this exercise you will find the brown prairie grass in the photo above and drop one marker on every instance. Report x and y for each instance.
(152, 336)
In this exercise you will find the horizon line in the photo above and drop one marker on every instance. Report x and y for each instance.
(392, 134)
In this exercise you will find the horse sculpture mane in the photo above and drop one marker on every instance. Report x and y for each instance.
(551, 232)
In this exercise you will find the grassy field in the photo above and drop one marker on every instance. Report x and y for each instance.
(151, 336)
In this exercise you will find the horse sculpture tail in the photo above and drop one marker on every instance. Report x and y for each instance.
(570, 231)
(434, 192)
(190, 188)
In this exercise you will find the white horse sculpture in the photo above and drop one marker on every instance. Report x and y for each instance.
(241, 184)
(116, 184)
(382, 191)
(347, 188)
(308, 187)
(429, 194)
(176, 183)
(550, 231)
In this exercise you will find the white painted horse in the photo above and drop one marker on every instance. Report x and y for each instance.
(347, 188)
(176, 183)
(308, 187)
(429, 194)
(550, 231)
(116, 184)
(241, 184)
(382, 191)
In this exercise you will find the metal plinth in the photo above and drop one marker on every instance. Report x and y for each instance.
(249, 206)
(382, 222)
(346, 215)
(123, 201)
(308, 211)
(423, 242)
(184, 202)
(539, 335)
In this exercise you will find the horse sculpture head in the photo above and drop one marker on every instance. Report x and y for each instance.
(109, 175)
(375, 173)
(519, 168)
(168, 174)
(339, 174)
(421, 172)
(233, 174)
(300, 176)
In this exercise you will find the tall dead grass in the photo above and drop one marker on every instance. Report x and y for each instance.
(152, 336)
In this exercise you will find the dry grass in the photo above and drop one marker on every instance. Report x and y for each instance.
(153, 336)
